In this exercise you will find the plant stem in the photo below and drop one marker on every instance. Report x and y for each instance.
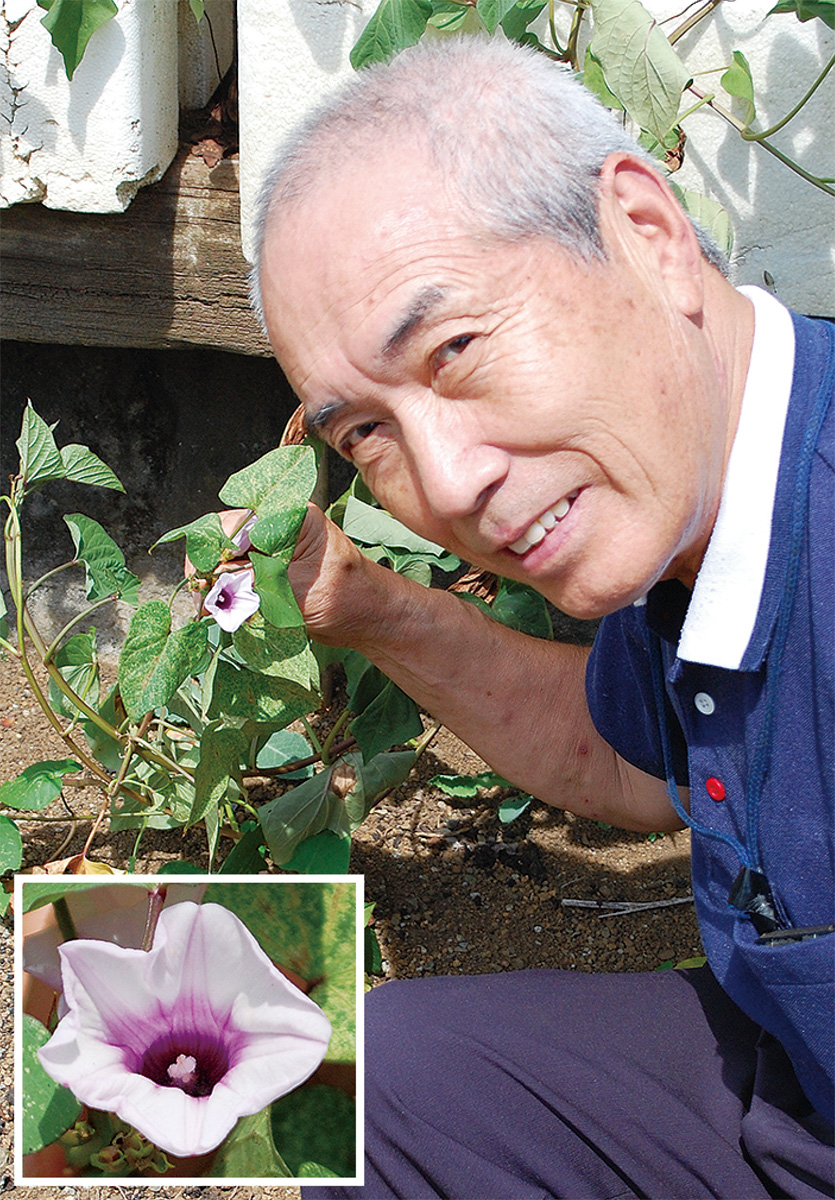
(339, 725)
(750, 136)
(156, 900)
(687, 25)
(64, 920)
(73, 562)
(71, 625)
(740, 128)
(574, 34)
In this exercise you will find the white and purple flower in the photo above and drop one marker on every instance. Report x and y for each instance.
(182, 1040)
(231, 599)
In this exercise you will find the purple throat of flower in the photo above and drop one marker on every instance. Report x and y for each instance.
(194, 1062)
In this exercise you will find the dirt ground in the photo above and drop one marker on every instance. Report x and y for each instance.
(456, 892)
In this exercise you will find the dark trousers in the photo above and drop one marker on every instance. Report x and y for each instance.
(539, 1084)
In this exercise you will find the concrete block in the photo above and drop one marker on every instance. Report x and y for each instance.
(292, 54)
(89, 144)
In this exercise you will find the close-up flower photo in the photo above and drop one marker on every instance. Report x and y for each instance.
(202, 1030)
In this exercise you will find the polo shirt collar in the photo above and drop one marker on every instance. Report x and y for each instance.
(726, 596)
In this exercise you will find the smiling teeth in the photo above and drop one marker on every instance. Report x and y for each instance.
(536, 531)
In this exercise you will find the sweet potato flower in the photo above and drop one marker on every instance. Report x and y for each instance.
(231, 599)
(182, 1040)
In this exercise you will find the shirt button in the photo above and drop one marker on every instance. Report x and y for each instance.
(704, 703)
(715, 789)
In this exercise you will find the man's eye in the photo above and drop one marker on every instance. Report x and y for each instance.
(359, 434)
(451, 350)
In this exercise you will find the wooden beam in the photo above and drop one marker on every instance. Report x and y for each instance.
(167, 272)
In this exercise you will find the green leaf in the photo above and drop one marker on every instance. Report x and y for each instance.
(395, 25)
(179, 866)
(222, 753)
(81, 465)
(516, 22)
(246, 856)
(198, 8)
(375, 527)
(285, 653)
(324, 854)
(373, 953)
(641, 67)
(205, 541)
(467, 787)
(277, 487)
(317, 1125)
(37, 894)
(309, 926)
(249, 1151)
(107, 574)
(278, 604)
(283, 747)
(106, 749)
(78, 664)
(71, 24)
(4, 624)
(449, 15)
(391, 719)
(384, 772)
(48, 1108)
(11, 845)
(239, 692)
(154, 660)
(737, 82)
(709, 214)
(510, 809)
(302, 812)
(493, 12)
(40, 458)
(807, 10)
(595, 81)
(38, 785)
(520, 607)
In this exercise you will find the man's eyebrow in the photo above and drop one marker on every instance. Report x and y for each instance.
(421, 306)
(318, 421)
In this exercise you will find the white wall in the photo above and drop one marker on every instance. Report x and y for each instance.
(90, 144)
(293, 53)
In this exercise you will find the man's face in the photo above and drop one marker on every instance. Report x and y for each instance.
(542, 419)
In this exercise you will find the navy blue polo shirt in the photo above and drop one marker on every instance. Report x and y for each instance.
(714, 712)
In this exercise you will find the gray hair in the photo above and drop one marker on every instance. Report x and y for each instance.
(517, 136)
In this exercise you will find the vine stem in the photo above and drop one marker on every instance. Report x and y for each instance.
(53, 648)
(750, 136)
(740, 128)
(697, 16)
(63, 919)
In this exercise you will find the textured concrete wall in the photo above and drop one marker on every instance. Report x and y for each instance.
(294, 53)
(87, 145)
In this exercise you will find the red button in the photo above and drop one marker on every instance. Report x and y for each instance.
(715, 789)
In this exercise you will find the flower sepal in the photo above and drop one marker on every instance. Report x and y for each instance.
(104, 1144)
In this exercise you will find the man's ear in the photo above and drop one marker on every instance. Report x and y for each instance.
(639, 212)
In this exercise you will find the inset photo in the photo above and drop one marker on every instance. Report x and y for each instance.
(188, 1027)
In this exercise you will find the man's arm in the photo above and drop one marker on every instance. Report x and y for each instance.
(518, 701)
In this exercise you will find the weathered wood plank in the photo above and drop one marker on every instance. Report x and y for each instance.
(167, 272)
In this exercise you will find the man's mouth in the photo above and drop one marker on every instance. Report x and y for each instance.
(543, 524)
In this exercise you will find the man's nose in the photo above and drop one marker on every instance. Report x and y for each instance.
(457, 469)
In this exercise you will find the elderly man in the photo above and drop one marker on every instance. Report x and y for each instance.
(491, 303)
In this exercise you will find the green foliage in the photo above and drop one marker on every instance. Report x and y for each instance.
(737, 82)
(808, 10)
(249, 1151)
(395, 25)
(71, 24)
(316, 1123)
(48, 1109)
(106, 573)
(37, 786)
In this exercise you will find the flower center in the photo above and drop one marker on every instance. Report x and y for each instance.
(193, 1062)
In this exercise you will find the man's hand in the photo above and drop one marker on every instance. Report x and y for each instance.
(327, 575)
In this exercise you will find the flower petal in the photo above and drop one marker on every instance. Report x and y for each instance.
(231, 599)
(206, 977)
